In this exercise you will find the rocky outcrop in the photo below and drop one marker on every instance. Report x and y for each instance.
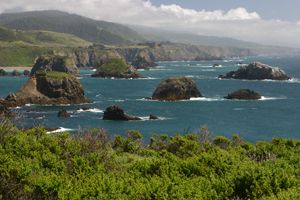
(5, 112)
(144, 59)
(3, 72)
(48, 88)
(244, 94)
(176, 88)
(63, 114)
(118, 114)
(257, 71)
(55, 63)
(153, 117)
(116, 68)
(26, 73)
(15, 73)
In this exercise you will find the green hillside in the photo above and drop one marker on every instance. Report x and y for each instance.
(9, 37)
(85, 28)
(20, 48)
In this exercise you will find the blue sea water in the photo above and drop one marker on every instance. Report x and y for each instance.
(277, 115)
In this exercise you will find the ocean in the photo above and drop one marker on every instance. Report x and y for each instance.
(276, 115)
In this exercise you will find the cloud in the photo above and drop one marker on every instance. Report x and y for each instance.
(237, 22)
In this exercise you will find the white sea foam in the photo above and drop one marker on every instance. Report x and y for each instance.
(147, 78)
(93, 110)
(191, 99)
(263, 98)
(147, 118)
(205, 99)
(60, 130)
(239, 109)
(208, 70)
(293, 80)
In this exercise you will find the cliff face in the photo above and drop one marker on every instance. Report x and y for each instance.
(48, 88)
(145, 55)
(170, 52)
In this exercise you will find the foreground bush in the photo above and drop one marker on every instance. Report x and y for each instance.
(35, 165)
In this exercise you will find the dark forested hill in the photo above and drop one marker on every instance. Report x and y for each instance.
(85, 28)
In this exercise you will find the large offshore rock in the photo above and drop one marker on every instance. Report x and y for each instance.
(244, 94)
(257, 71)
(176, 88)
(116, 68)
(55, 63)
(118, 114)
(48, 88)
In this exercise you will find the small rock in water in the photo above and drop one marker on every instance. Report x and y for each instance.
(117, 113)
(15, 73)
(26, 73)
(153, 117)
(244, 94)
(63, 114)
(3, 72)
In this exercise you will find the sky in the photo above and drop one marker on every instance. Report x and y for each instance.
(268, 9)
(273, 22)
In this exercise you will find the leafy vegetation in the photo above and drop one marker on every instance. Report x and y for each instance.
(53, 74)
(114, 66)
(89, 165)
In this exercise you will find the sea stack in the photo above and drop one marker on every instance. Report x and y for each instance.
(47, 86)
(257, 71)
(116, 68)
(55, 63)
(116, 113)
(244, 94)
(176, 88)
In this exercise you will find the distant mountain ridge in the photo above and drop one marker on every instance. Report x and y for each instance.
(85, 28)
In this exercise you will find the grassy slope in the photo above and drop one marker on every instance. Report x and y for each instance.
(35, 165)
(20, 48)
(114, 66)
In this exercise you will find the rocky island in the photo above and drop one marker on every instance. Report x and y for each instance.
(176, 88)
(48, 85)
(244, 94)
(257, 71)
(118, 114)
(55, 63)
(116, 68)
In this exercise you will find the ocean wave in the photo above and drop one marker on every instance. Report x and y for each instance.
(239, 109)
(93, 110)
(147, 118)
(293, 80)
(208, 99)
(263, 98)
(208, 70)
(118, 100)
(60, 130)
(147, 78)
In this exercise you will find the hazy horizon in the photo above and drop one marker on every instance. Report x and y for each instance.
(259, 21)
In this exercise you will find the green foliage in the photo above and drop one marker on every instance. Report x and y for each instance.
(53, 74)
(114, 66)
(87, 165)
